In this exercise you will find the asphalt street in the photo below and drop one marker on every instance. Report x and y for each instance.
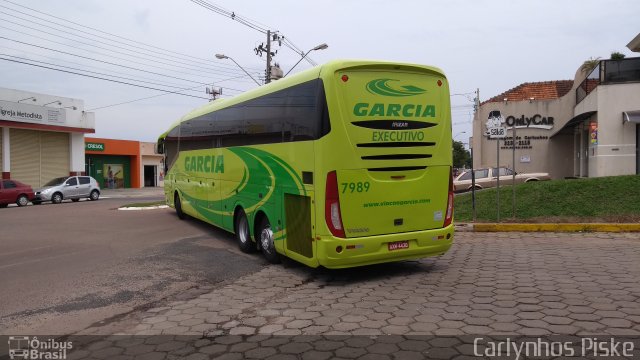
(67, 266)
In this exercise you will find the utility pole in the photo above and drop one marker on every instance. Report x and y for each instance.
(268, 74)
(473, 172)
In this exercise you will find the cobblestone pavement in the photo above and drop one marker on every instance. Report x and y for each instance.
(527, 284)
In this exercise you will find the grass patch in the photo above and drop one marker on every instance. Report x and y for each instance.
(605, 199)
(146, 204)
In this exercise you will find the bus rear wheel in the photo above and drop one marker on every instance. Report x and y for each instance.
(267, 242)
(178, 206)
(243, 236)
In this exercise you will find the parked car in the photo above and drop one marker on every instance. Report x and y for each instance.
(68, 187)
(486, 178)
(12, 191)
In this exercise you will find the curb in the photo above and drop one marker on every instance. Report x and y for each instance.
(549, 227)
(140, 208)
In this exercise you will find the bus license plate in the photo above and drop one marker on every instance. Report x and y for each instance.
(398, 245)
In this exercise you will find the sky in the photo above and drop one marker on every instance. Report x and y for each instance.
(490, 45)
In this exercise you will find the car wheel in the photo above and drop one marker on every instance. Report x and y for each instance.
(56, 198)
(75, 200)
(95, 195)
(22, 200)
(243, 236)
(178, 206)
(267, 243)
(2, 206)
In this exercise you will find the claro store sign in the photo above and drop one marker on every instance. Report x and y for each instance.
(11, 111)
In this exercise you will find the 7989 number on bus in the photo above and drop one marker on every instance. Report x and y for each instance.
(355, 187)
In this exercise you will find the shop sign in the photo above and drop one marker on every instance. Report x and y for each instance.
(497, 120)
(91, 146)
(593, 133)
(537, 121)
(13, 111)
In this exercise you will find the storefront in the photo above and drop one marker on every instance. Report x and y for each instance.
(118, 164)
(587, 127)
(41, 136)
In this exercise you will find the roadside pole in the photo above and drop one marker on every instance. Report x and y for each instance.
(497, 133)
(513, 182)
(473, 171)
(498, 178)
(473, 188)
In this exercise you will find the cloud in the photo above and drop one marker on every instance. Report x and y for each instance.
(141, 18)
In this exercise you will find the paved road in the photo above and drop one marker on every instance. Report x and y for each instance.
(65, 267)
(489, 283)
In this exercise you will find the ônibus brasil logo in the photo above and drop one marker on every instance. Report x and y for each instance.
(382, 87)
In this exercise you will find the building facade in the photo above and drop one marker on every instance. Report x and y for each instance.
(41, 136)
(585, 127)
(117, 164)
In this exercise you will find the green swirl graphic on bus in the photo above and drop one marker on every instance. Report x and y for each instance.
(382, 87)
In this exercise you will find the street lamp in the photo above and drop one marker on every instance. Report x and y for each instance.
(57, 101)
(319, 47)
(223, 56)
(458, 134)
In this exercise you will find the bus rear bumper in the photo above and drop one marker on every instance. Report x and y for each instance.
(342, 253)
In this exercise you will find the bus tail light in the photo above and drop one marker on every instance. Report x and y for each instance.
(449, 216)
(332, 206)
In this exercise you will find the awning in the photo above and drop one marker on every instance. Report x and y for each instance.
(575, 121)
(631, 116)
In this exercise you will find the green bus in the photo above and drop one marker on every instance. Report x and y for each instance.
(345, 164)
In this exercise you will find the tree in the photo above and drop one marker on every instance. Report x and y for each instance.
(461, 156)
(617, 55)
(590, 64)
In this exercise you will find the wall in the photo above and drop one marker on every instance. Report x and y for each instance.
(616, 150)
(151, 157)
(531, 143)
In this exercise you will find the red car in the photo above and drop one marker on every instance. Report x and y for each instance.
(12, 191)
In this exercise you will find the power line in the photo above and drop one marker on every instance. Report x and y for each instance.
(94, 72)
(218, 71)
(105, 79)
(102, 61)
(99, 53)
(162, 50)
(85, 65)
(232, 15)
(253, 25)
(132, 101)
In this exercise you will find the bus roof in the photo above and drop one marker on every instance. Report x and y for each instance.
(303, 76)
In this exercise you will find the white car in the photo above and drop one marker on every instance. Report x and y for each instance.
(488, 177)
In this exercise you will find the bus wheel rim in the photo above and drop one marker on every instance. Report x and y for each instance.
(266, 239)
(243, 229)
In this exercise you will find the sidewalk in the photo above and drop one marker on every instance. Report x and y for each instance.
(132, 193)
(548, 227)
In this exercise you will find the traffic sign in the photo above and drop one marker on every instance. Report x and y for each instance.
(498, 132)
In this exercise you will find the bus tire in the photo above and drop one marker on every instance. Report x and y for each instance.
(266, 241)
(178, 205)
(243, 236)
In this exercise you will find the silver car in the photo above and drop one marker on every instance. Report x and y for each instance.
(486, 178)
(73, 188)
